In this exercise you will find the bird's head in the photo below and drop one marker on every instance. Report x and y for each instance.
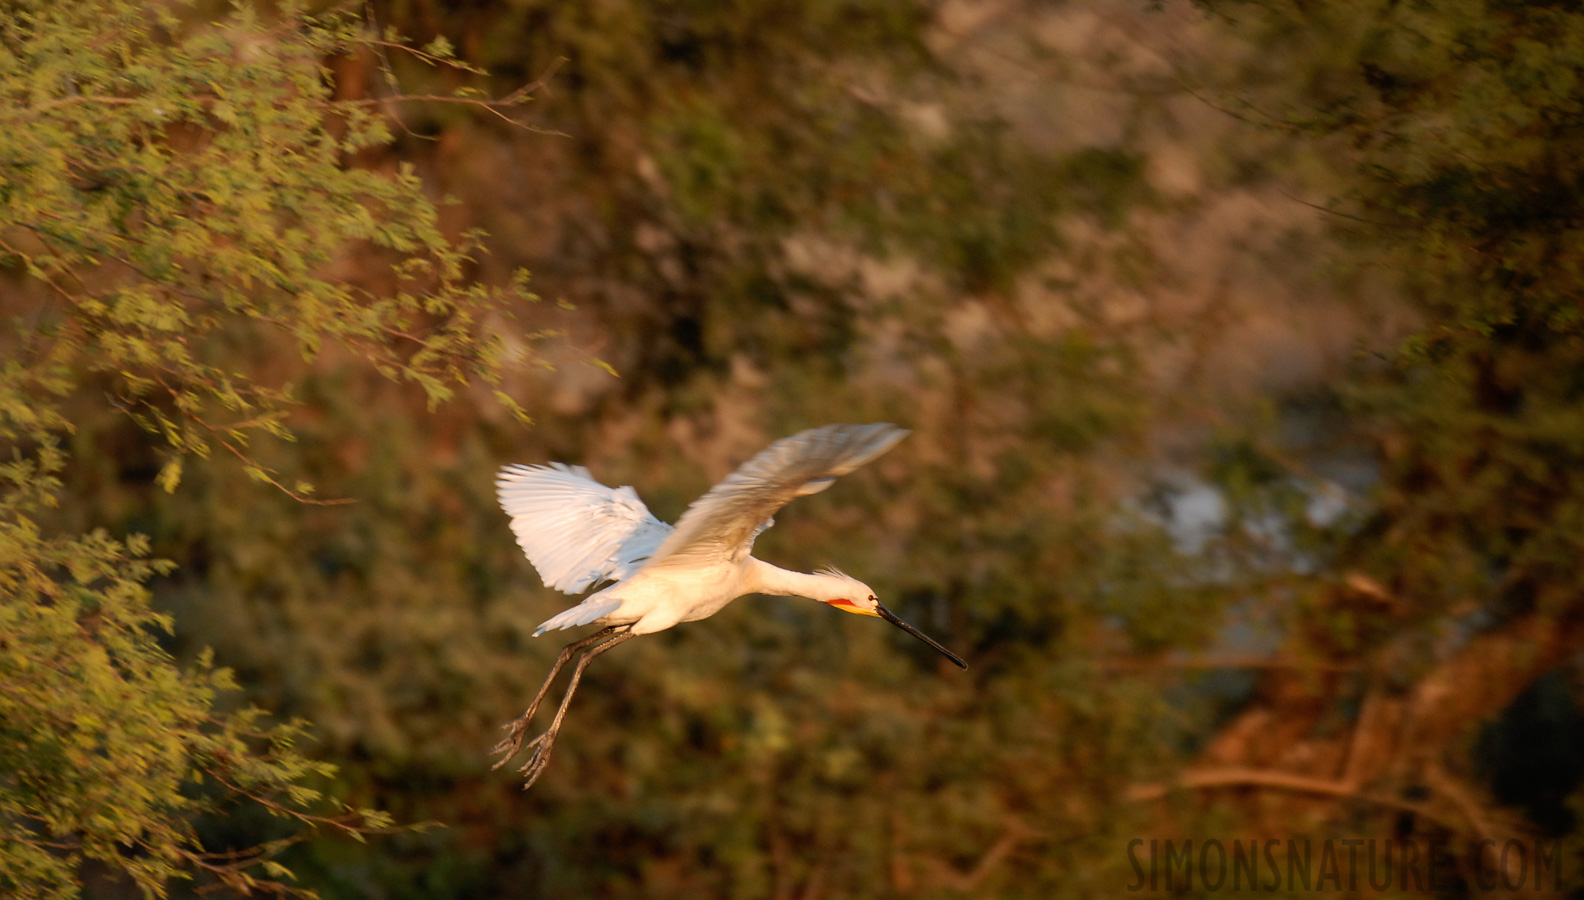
(848, 594)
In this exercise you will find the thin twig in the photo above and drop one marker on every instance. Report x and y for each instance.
(1238, 776)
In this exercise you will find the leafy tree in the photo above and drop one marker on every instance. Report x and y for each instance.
(177, 199)
(726, 195)
(1456, 586)
(775, 214)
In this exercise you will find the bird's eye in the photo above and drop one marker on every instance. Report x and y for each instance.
(873, 598)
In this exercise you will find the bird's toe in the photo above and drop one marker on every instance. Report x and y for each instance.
(536, 763)
(509, 745)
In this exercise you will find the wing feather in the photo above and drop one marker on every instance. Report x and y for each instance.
(576, 531)
(722, 524)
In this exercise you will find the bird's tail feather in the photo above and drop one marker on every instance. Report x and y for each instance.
(592, 609)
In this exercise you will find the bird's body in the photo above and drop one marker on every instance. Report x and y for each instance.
(579, 533)
(657, 599)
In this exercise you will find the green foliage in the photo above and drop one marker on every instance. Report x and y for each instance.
(774, 747)
(716, 140)
(737, 176)
(692, 758)
(176, 201)
(171, 180)
(1458, 125)
(1465, 120)
(778, 214)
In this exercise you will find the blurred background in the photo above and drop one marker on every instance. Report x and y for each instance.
(1241, 349)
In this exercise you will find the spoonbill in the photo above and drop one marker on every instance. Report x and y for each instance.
(578, 533)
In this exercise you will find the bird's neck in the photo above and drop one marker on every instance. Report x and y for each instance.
(764, 578)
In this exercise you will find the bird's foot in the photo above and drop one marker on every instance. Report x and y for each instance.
(512, 743)
(540, 759)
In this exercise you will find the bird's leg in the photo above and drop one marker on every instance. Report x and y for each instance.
(513, 741)
(543, 743)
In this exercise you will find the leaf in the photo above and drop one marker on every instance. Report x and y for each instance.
(170, 474)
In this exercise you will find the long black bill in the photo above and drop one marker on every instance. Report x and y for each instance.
(891, 617)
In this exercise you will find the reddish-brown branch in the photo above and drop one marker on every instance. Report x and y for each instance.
(1400, 738)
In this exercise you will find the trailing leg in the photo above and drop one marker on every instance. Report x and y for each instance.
(543, 743)
(512, 743)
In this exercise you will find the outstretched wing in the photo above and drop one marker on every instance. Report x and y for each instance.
(574, 530)
(722, 524)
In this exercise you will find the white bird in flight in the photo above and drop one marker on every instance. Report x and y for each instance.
(578, 533)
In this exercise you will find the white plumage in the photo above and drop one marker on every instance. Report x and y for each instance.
(579, 533)
(576, 531)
